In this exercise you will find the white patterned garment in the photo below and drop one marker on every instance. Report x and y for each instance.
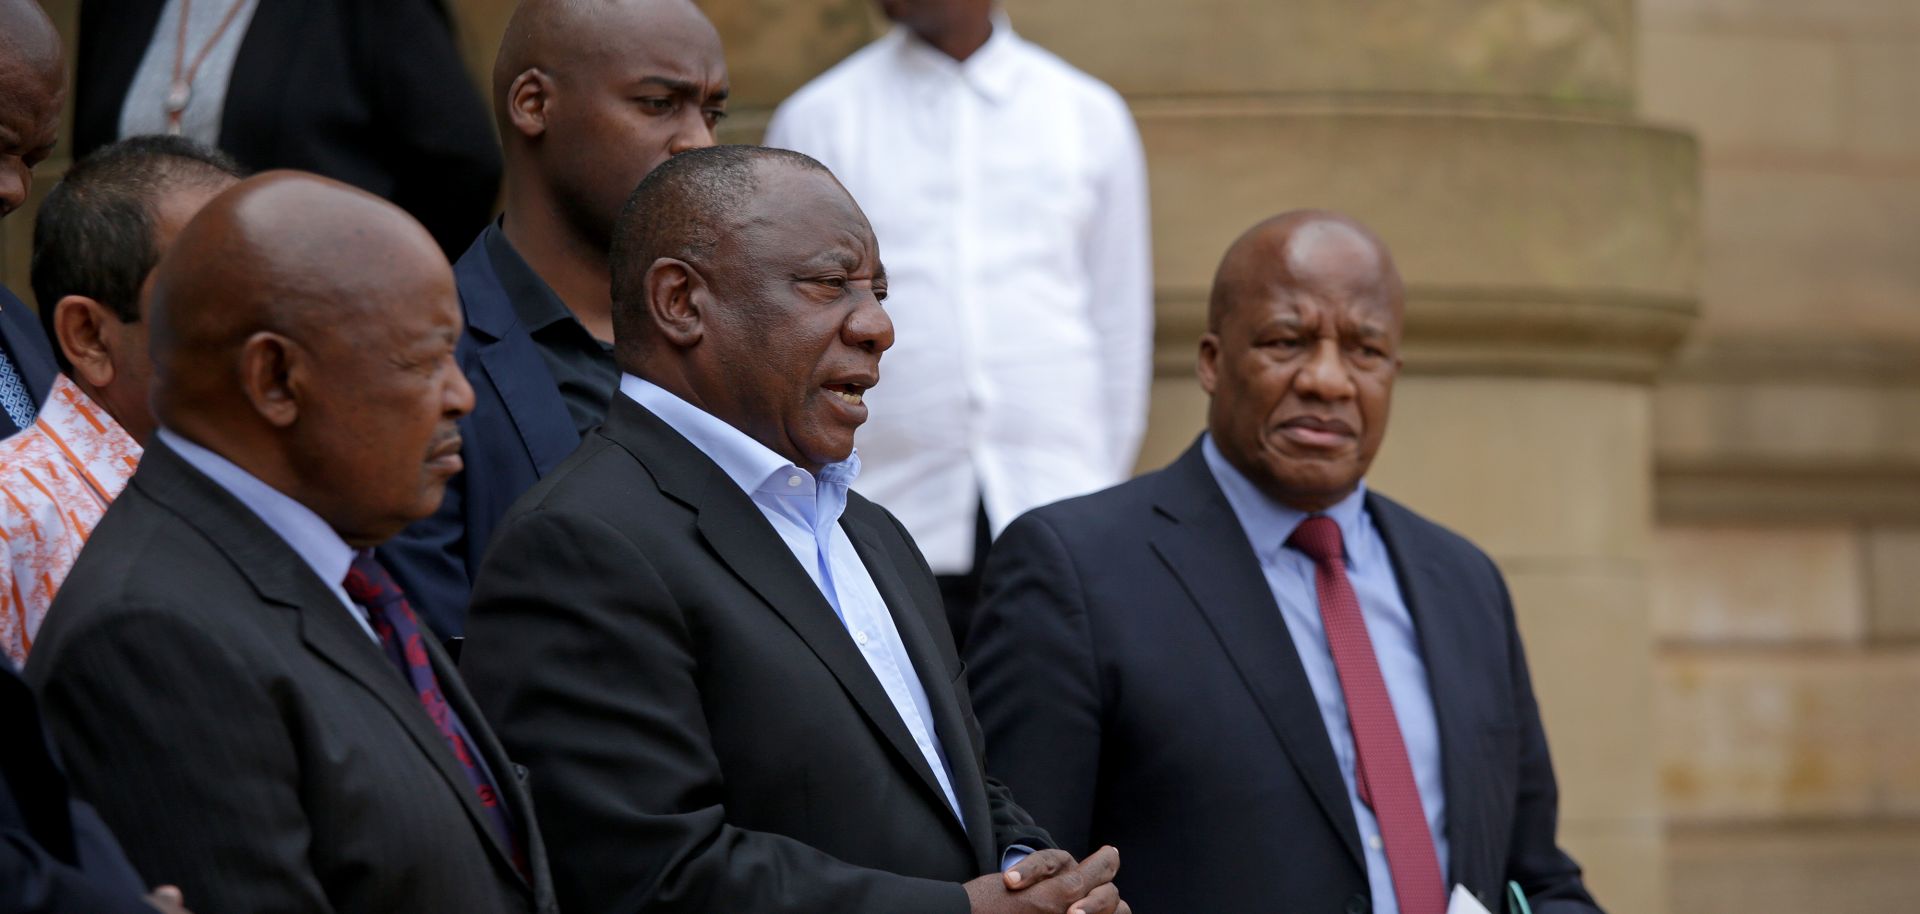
(57, 478)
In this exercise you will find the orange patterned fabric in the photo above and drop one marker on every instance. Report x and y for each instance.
(56, 480)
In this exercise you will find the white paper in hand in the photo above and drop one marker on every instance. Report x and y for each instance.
(1463, 902)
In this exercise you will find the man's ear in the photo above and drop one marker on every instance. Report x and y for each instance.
(83, 330)
(678, 301)
(1208, 367)
(272, 373)
(527, 100)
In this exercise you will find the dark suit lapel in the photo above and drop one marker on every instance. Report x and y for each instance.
(113, 39)
(513, 363)
(948, 719)
(1428, 593)
(1205, 547)
(327, 628)
(748, 545)
(505, 775)
(250, 117)
(333, 634)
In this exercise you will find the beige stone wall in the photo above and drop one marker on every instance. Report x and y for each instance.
(1786, 562)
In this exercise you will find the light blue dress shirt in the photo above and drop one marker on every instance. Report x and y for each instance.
(1396, 645)
(305, 532)
(805, 511)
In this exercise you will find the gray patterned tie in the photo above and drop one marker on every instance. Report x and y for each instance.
(14, 397)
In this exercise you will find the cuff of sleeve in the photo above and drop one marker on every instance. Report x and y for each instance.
(1013, 855)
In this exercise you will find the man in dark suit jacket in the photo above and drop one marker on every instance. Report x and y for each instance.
(590, 98)
(369, 92)
(56, 856)
(32, 85)
(1193, 666)
(232, 678)
(733, 675)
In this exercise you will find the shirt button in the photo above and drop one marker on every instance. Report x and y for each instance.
(1373, 841)
(860, 638)
(793, 482)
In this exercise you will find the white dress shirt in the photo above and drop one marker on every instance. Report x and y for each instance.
(1008, 193)
(805, 511)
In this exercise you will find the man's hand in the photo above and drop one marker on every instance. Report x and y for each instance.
(168, 900)
(1049, 882)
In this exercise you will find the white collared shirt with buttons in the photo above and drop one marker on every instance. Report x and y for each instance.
(1009, 196)
(806, 511)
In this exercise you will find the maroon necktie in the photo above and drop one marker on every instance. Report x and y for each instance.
(369, 585)
(1381, 771)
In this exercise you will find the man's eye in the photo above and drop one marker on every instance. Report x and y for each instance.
(655, 103)
(716, 115)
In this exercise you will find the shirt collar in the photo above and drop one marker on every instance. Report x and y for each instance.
(751, 465)
(991, 70)
(310, 537)
(74, 416)
(534, 302)
(1267, 522)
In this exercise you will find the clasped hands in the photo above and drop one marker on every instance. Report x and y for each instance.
(1051, 882)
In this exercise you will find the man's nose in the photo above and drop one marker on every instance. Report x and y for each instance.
(1326, 375)
(869, 327)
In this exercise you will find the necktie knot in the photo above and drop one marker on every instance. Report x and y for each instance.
(368, 583)
(1319, 537)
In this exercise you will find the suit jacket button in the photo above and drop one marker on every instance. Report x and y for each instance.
(1358, 904)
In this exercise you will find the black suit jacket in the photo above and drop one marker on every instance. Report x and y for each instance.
(245, 737)
(1137, 682)
(708, 736)
(370, 92)
(518, 431)
(26, 345)
(56, 857)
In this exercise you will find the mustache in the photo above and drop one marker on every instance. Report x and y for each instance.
(445, 440)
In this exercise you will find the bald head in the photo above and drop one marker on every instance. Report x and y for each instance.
(1305, 249)
(590, 95)
(32, 87)
(305, 330)
(1300, 355)
(283, 252)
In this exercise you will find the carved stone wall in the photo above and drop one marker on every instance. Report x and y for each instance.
(1787, 459)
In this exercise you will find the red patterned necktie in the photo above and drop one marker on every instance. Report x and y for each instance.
(1381, 771)
(369, 585)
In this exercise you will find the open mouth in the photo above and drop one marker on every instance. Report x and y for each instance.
(849, 392)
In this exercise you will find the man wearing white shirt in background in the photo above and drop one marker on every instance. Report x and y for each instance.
(1009, 191)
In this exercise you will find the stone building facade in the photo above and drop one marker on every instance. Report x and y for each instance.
(1663, 363)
